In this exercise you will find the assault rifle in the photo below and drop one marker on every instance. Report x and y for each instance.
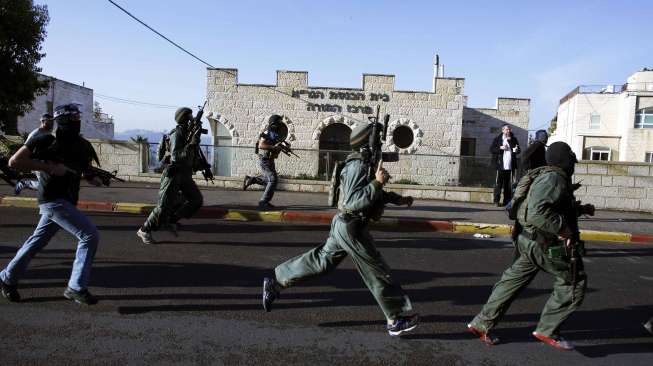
(577, 247)
(377, 139)
(284, 147)
(105, 176)
(194, 130)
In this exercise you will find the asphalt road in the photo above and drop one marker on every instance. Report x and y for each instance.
(196, 300)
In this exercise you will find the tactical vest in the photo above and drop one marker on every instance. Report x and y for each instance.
(523, 189)
(163, 150)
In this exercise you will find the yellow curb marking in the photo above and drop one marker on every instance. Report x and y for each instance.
(132, 207)
(248, 215)
(604, 236)
(20, 202)
(472, 227)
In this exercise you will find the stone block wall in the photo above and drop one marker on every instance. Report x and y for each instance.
(616, 185)
(484, 124)
(607, 185)
(128, 158)
(435, 120)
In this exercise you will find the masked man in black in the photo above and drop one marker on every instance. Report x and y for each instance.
(61, 161)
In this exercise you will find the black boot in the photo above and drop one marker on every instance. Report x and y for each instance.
(271, 291)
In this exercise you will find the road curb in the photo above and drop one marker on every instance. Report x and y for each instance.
(309, 217)
(481, 228)
(27, 202)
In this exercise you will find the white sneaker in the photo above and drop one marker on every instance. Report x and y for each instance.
(145, 237)
(649, 326)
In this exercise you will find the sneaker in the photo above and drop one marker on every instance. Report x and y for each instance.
(262, 205)
(19, 187)
(145, 236)
(9, 292)
(403, 324)
(555, 341)
(247, 182)
(484, 336)
(270, 293)
(649, 326)
(82, 297)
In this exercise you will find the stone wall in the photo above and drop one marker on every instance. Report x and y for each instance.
(616, 185)
(434, 119)
(607, 185)
(482, 125)
(128, 158)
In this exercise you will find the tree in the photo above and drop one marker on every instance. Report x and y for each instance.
(553, 125)
(97, 110)
(22, 32)
(139, 139)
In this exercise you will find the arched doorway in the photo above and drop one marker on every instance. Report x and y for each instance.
(222, 151)
(334, 147)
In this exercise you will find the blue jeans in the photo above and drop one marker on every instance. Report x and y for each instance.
(269, 178)
(54, 215)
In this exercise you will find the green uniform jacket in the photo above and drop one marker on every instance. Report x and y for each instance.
(548, 207)
(181, 154)
(357, 195)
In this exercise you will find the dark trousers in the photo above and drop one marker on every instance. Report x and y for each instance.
(179, 197)
(503, 182)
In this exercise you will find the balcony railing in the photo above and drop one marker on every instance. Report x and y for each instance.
(593, 89)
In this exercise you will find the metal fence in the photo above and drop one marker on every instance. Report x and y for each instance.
(315, 164)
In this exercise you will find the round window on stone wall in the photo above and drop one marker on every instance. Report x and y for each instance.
(403, 137)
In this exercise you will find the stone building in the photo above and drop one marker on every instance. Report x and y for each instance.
(426, 128)
(609, 122)
(62, 92)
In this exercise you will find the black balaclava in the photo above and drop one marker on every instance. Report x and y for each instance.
(541, 136)
(560, 155)
(68, 119)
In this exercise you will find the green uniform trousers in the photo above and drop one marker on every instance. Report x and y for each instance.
(533, 258)
(349, 237)
(171, 205)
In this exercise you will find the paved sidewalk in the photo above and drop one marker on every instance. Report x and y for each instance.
(295, 204)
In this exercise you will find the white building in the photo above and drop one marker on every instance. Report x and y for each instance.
(609, 122)
(430, 129)
(62, 92)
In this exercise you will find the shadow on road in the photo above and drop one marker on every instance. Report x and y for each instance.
(597, 333)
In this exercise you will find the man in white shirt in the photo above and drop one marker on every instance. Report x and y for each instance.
(504, 149)
(47, 123)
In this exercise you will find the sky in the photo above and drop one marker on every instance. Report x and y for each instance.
(528, 49)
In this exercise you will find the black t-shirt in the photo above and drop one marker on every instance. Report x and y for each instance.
(76, 155)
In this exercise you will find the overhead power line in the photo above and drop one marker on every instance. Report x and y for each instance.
(211, 66)
(134, 102)
(161, 35)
